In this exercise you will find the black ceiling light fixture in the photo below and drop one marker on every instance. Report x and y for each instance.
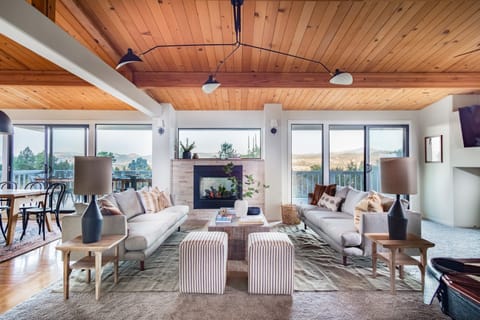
(5, 124)
(337, 78)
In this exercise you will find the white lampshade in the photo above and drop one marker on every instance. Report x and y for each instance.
(93, 175)
(399, 175)
(210, 85)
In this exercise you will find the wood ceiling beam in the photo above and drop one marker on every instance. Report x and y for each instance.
(40, 78)
(308, 80)
(47, 7)
(254, 80)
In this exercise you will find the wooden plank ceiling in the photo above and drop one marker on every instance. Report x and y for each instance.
(402, 54)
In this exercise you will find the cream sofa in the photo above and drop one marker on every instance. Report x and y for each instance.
(145, 231)
(338, 228)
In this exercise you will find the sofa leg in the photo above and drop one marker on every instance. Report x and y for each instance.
(304, 226)
(344, 260)
(178, 229)
(142, 265)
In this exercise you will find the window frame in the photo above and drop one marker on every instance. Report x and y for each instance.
(177, 139)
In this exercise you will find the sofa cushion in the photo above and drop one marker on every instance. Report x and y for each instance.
(145, 229)
(335, 228)
(107, 208)
(330, 202)
(351, 239)
(149, 201)
(388, 201)
(320, 189)
(129, 203)
(178, 208)
(315, 216)
(342, 191)
(371, 203)
(354, 196)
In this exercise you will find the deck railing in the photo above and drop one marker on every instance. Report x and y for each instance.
(303, 182)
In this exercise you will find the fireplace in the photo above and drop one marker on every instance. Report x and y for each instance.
(212, 188)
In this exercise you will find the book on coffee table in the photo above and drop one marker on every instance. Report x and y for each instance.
(223, 219)
(251, 220)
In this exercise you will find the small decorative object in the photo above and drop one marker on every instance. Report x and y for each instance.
(93, 176)
(186, 149)
(434, 149)
(398, 176)
(241, 207)
(253, 211)
(195, 156)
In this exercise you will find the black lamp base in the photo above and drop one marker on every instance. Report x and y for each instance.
(397, 223)
(92, 223)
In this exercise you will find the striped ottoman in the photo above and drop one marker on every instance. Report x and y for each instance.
(270, 263)
(203, 262)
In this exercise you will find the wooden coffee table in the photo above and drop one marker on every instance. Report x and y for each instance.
(238, 235)
(96, 262)
(396, 256)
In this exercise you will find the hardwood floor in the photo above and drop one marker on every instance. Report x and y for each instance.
(26, 275)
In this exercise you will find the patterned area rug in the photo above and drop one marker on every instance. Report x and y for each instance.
(317, 268)
(30, 241)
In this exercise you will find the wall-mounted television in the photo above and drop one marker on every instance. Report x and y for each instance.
(470, 124)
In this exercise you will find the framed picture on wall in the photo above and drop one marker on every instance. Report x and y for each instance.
(434, 149)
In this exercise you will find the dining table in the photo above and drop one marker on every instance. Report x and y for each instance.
(16, 198)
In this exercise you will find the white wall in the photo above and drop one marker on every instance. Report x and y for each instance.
(450, 189)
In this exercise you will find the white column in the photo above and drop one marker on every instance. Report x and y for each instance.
(272, 151)
(163, 148)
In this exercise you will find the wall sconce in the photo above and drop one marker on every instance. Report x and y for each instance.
(161, 127)
(273, 126)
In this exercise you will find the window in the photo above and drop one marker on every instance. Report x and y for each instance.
(347, 155)
(355, 153)
(130, 147)
(222, 143)
(307, 160)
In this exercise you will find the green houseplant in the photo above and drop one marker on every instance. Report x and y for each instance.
(252, 186)
(186, 149)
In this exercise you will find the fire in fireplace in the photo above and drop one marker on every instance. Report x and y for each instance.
(213, 189)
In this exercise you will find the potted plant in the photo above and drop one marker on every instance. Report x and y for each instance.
(252, 186)
(186, 149)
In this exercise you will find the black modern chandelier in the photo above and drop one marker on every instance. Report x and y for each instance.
(337, 78)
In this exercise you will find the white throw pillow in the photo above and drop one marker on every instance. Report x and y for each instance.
(329, 202)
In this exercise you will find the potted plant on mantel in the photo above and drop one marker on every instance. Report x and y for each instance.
(252, 186)
(186, 149)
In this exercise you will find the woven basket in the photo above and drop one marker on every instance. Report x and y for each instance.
(289, 214)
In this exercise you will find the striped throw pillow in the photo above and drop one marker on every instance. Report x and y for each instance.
(372, 203)
(150, 201)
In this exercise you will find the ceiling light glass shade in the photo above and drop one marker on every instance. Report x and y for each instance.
(5, 124)
(341, 78)
(210, 85)
(129, 57)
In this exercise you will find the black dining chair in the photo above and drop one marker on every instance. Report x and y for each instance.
(34, 185)
(51, 204)
(5, 205)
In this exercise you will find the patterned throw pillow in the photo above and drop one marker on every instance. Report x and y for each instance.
(372, 203)
(149, 200)
(330, 202)
(163, 199)
(107, 208)
(321, 189)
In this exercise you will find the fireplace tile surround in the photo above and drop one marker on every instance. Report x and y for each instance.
(183, 179)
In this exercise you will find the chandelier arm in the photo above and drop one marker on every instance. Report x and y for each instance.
(189, 45)
(288, 55)
(222, 62)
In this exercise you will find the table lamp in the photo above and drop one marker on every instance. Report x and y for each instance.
(93, 176)
(398, 176)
